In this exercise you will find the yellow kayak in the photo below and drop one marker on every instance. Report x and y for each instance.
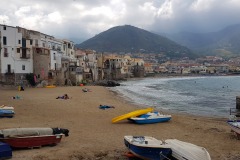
(132, 114)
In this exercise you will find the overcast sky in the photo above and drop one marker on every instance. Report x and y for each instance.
(82, 19)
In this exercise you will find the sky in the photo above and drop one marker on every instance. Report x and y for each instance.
(80, 20)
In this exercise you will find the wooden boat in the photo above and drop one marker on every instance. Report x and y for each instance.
(6, 113)
(132, 114)
(32, 137)
(183, 150)
(146, 147)
(235, 126)
(151, 117)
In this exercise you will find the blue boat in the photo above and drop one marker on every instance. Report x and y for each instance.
(151, 117)
(6, 113)
(5, 151)
(146, 147)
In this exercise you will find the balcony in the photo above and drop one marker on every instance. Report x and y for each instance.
(25, 56)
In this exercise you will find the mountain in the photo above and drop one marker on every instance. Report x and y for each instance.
(132, 39)
(225, 42)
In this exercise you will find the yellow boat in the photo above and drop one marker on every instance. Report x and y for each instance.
(132, 114)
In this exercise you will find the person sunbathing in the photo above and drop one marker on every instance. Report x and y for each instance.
(65, 96)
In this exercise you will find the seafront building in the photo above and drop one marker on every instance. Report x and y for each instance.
(56, 61)
(26, 51)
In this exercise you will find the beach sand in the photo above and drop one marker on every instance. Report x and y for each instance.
(93, 136)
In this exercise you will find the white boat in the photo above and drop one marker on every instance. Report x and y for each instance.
(151, 117)
(187, 151)
(235, 126)
(3, 107)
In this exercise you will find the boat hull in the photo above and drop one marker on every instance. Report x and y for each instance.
(151, 117)
(32, 141)
(187, 151)
(149, 121)
(6, 113)
(148, 153)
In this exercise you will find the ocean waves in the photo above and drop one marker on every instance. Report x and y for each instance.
(206, 96)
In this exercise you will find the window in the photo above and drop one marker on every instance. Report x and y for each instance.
(19, 41)
(9, 68)
(54, 56)
(5, 52)
(4, 40)
(18, 50)
(23, 67)
(31, 41)
(36, 42)
(4, 28)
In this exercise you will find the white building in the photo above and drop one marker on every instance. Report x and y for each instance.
(26, 51)
(15, 59)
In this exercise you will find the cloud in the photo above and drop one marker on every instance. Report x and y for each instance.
(82, 19)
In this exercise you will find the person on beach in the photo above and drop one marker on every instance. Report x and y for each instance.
(65, 96)
(105, 106)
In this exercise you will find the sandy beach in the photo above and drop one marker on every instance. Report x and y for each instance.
(93, 136)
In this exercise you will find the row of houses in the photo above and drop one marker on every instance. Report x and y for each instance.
(187, 68)
(57, 61)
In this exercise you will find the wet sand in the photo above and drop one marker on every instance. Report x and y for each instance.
(93, 136)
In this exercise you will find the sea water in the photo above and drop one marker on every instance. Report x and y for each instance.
(205, 96)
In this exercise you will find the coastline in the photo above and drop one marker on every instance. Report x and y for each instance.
(171, 106)
(93, 136)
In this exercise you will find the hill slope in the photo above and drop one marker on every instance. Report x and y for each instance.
(226, 41)
(132, 39)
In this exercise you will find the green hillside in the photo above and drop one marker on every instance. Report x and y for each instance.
(132, 39)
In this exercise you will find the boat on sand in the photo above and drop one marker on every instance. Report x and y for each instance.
(6, 113)
(235, 126)
(131, 114)
(3, 107)
(150, 148)
(32, 137)
(187, 151)
(146, 147)
(151, 117)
